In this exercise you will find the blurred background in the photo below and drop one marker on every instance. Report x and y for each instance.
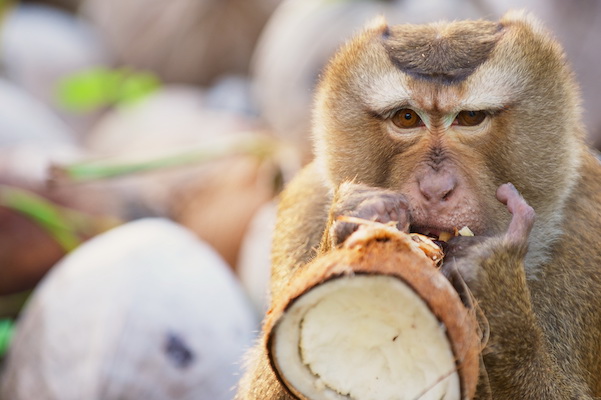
(143, 144)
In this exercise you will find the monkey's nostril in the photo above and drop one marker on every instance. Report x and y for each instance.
(436, 188)
(446, 196)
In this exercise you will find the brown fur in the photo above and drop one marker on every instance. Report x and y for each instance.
(541, 298)
(427, 52)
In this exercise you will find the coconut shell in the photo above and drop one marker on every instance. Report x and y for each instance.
(382, 251)
(189, 41)
(42, 46)
(143, 311)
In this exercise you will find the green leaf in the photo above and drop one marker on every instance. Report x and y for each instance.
(96, 88)
(88, 90)
(135, 87)
(6, 333)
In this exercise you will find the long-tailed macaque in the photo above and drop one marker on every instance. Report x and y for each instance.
(476, 124)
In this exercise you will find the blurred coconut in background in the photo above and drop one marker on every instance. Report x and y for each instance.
(145, 311)
(31, 136)
(183, 41)
(254, 262)
(40, 46)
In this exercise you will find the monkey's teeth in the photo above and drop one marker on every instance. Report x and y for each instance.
(465, 231)
(445, 236)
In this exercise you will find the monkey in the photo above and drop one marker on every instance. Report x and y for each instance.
(451, 124)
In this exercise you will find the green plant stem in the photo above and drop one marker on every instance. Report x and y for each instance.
(46, 214)
(94, 170)
(67, 226)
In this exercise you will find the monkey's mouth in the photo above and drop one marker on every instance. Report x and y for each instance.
(435, 233)
(431, 232)
(441, 237)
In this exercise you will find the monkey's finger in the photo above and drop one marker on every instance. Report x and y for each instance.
(461, 246)
(385, 209)
(341, 230)
(523, 214)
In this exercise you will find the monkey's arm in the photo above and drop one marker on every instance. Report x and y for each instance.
(518, 358)
(301, 221)
(307, 215)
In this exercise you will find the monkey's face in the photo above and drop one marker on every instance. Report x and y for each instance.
(446, 113)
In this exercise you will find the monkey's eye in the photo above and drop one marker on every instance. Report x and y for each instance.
(406, 118)
(470, 118)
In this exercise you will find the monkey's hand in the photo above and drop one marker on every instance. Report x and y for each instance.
(471, 257)
(361, 201)
(517, 357)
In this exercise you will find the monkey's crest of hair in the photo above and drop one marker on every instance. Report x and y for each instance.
(511, 69)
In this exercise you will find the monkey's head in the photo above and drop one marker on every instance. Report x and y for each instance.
(446, 113)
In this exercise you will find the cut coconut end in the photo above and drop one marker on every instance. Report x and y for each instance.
(346, 339)
(373, 319)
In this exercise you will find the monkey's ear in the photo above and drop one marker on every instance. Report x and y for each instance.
(377, 25)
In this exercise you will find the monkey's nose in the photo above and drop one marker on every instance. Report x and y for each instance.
(436, 187)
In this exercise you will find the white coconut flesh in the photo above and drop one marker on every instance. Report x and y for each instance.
(364, 337)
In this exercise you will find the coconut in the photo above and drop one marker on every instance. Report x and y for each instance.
(254, 263)
(143, 311)
(41, 46)
(374, 319)
(189, 41)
